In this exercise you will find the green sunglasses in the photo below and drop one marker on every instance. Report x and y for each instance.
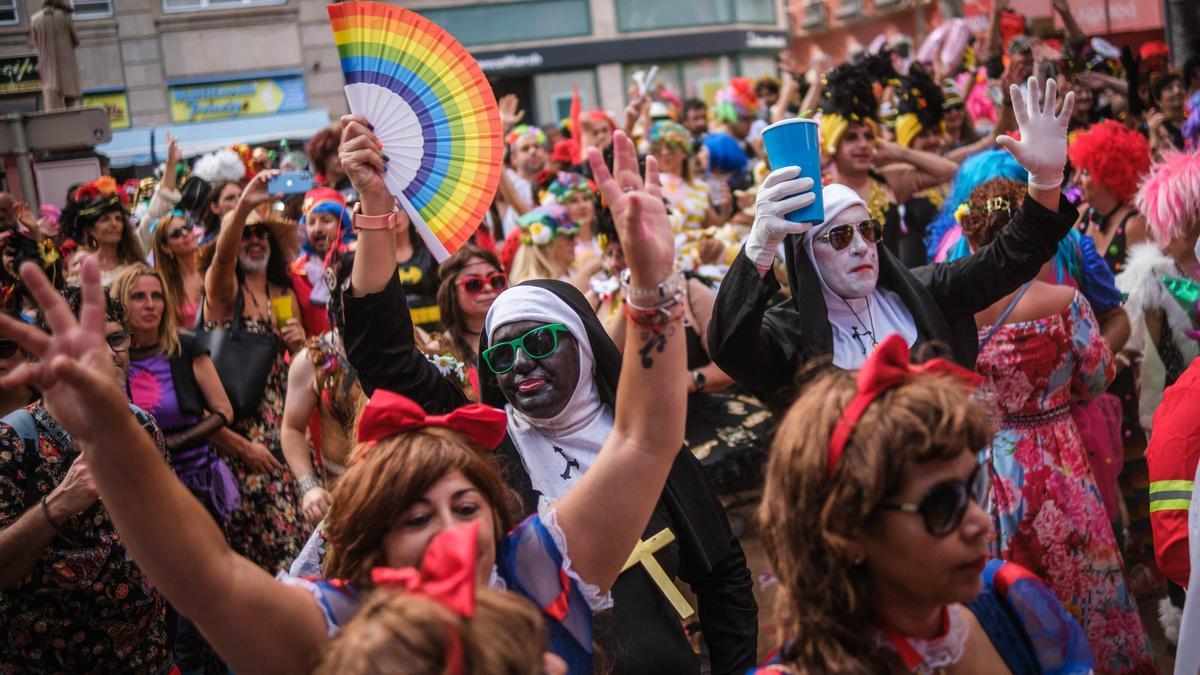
(537, 344)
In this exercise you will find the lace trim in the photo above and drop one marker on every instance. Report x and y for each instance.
(940, 652)
(591, 593)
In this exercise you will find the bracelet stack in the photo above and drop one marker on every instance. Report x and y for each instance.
(309, 482)
(654, 308)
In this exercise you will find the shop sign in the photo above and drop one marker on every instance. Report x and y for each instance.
(117, 105)
(18, 74)
(239, 98)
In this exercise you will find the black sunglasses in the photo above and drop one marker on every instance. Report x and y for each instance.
(260, 231)
(187, 227)
(8, 348)
(945, 505)
(840, 236)
(118, 341)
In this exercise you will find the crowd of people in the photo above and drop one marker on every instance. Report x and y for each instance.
(256, 432)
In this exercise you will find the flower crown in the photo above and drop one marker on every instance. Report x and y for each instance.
(672, 134)
(524, 130)
(545, 223)
(104, 186)
(564, 185)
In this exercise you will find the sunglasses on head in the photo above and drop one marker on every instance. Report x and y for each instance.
(475, 284)
(8, 348)
(840, 236)
(537, 344)
(186, 227)
(260, 231)
(945, 505)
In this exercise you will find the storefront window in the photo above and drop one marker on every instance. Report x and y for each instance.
(553, 92)
(93, 9)
(199, 5)
(513, 22)
(8, 12)
(639, 15)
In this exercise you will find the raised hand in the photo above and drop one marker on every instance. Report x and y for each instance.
(256, 193)
(174, 154)
(638, 211)
(510, 116)
(1042, 149)
(74, 368)
(782, 192)
(362, 159)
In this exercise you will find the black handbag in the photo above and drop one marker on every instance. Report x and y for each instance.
(243, 359)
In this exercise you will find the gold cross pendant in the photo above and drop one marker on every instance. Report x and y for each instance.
(644, 553)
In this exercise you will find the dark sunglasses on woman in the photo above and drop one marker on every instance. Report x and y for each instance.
(537, 344)
(260, 231)
(840, 236)
(475, 284)
(186, 227)
(945, 505)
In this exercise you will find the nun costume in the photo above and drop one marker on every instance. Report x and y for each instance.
(542, 458)
(764, 348)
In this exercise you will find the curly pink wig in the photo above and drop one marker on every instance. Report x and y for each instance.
(1113, 155)
(1169, 197)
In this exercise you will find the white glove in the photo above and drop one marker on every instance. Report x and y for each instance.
(1042, 149)
(780, 194)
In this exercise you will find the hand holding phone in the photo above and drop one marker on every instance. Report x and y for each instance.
(290, 183)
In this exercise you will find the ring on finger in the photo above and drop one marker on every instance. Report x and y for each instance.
(628, 188)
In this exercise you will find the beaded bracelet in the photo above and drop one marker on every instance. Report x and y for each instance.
(650, 297)
(655, 319)
(309, 482)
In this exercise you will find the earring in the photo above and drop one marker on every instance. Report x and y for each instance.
(92, 243)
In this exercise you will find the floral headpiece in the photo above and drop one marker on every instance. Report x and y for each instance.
(671, 134)
(102, 187)
(545, 223)
(735, 101)
(565, 184)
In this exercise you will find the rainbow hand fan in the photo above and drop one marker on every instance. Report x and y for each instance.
(432, 110)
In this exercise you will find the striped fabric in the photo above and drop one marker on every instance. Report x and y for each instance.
(1170, 495)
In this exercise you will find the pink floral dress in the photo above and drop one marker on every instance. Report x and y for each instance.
(1044, 502)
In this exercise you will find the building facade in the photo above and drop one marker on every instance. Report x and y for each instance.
(215, 72)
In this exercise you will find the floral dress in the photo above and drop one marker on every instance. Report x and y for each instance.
(1046, 507)
(267, 527)
(689, 200)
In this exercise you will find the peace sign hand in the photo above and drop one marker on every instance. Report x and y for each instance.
(638, 211)
(74, 368)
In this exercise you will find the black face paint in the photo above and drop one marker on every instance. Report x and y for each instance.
(539, 388)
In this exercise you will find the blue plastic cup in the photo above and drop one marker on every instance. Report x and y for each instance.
(795, 142)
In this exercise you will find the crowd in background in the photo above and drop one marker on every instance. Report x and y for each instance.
(1017, 215)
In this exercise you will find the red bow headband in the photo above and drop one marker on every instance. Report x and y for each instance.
(447, 576)
(885, 368)
(389, 413)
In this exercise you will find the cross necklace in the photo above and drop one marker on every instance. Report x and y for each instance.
(858, 337)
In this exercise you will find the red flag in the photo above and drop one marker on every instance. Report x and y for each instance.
(576, 113)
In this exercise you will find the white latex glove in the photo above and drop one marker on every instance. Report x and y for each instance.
(1042, 149)
(781, 193)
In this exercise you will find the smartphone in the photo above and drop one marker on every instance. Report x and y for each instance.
(290, 183)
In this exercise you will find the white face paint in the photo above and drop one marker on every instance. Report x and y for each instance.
(853, 271)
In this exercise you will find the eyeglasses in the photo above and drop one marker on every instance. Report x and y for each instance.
(118, 341)
(187, 227)
(945, 505)
(840, 236)
(260, 231)
(474, 284)
(537, 344)
(8, 348)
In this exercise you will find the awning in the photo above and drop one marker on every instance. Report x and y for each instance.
(131, 147)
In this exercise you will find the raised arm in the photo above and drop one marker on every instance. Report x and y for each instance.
(220, 282)
(175, 543)
(930, 170)
(605, 513)
(298, 407)
(375, 324)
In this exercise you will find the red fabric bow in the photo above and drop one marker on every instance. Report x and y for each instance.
(447, 576)
(389, 413)
(885, 368)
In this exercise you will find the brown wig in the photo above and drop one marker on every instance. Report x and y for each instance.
(168, 333)
(385, 480)
(397, 632)
(204, 216)
(811, 524)
(447, 297)
(323, 145)
(989, 208)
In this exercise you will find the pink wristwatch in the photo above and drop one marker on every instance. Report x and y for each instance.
(386, 221)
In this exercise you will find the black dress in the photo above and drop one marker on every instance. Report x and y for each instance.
(763, 349)
(643, 634)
